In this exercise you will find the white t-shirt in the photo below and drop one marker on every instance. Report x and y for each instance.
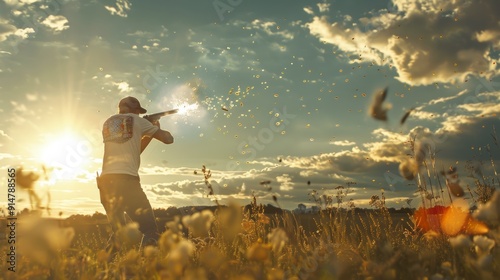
(122, 134)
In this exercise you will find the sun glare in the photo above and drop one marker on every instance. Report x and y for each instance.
(183, 98)
(67, 154)
(185, 108)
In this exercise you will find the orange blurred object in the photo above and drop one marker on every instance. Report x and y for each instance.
(448, 220)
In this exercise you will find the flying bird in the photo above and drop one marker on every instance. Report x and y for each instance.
(453, 182)
(378, 110)
(405, 116)
(456, 189)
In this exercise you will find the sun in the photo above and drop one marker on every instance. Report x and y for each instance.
(68, 154)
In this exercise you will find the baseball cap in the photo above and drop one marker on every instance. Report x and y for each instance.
(132, 103)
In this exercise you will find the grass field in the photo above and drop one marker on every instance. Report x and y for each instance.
(266, 242)
(245, 243)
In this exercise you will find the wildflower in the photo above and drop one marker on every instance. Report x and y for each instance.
(420, 150)
(259, 252)
(128, 235)
(130, 259)
(451, 220)
(248, 226)
(447, 267)
(408, 169)
(174, 225)
(310, 264)
(102, 256)
(461, 242)
(42, 239)
(485, 262)
(429, 218)
(483, 245)
(195, 274)
(26, 180)
(474, 226)
(182, 252)
(490, 211)
(431, 234)
(437, 276)
(278, 238)
(168, 240)
(275, 274)
(457, 220)
(212, 258)
(263, 219)
(229, 219)
(179, 257)
(151, 251)
(199, 223)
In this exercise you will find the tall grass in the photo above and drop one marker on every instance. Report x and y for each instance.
(244, 243)
(236, 242)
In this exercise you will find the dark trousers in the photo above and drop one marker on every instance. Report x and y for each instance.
(122, 193)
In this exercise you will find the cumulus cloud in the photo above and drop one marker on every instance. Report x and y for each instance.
(56, 23)
(324, 7)
(23, 32)
(344, 162)
(6, 30)
(121, 8)
(17, 3)
(470, 111)
(272, 29)
(390, 148)
(343, 143)
(3, 134)
(347, 39)
(309, 10)
(123, 87)
(484, 104)
(423, 115)
(308, 173)
(445, 99)
(285, 182)
(454, 123)
(426, 41)
(483, 109)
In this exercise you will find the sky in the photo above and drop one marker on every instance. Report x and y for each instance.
(276, 91)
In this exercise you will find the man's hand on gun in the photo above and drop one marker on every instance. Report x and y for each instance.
(162, 135)
(156, 123)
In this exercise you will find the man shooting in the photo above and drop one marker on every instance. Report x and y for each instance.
(125, 136)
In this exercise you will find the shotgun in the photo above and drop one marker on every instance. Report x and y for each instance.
(156, 117)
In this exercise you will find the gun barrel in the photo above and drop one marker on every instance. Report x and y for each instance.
(156, 116)
(164, 113)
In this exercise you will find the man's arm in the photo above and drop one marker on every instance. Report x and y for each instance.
(164, 136)
(161, 135)
(145, 142)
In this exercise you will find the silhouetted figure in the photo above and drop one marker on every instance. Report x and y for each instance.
(125, 136)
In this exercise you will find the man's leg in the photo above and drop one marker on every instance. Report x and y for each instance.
(112, 202)
(139, 210)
